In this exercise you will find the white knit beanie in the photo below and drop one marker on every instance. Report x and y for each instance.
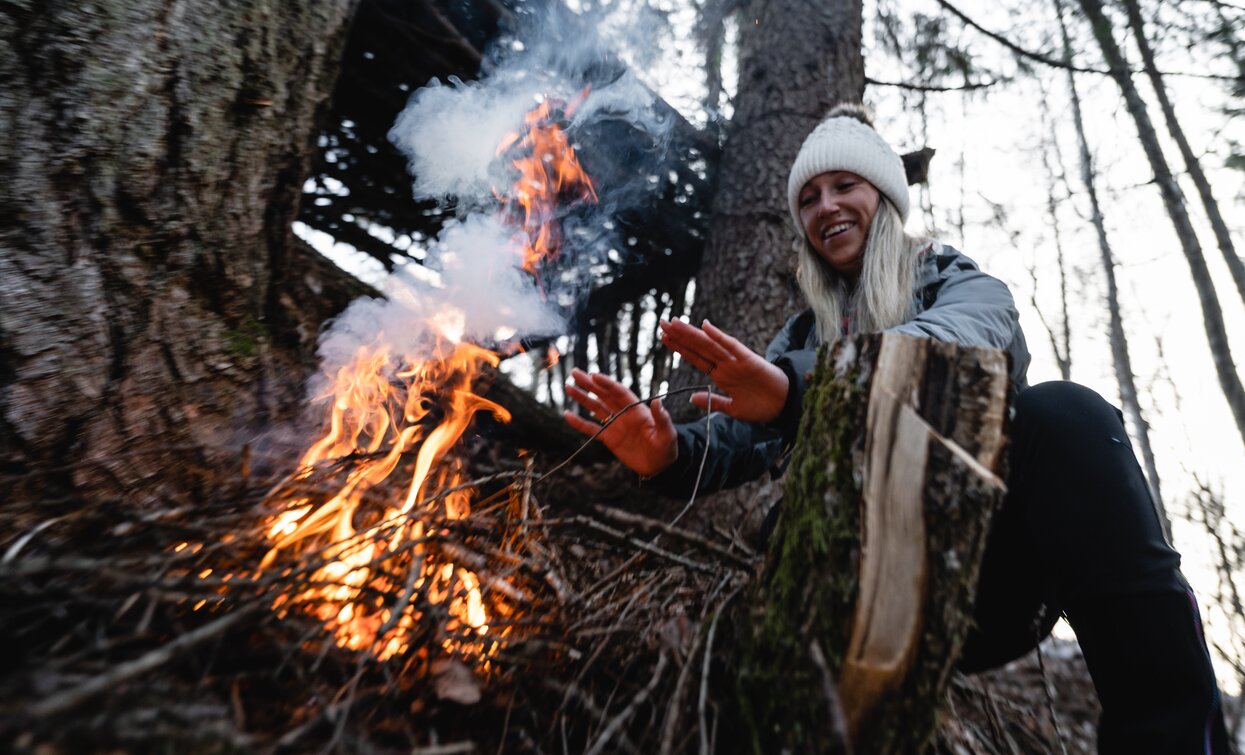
(845, 143)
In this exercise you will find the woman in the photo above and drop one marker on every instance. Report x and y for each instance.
(1077, 533)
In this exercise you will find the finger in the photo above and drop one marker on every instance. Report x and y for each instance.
(726, 341)
(662, 421)
(712, 402)
(582, 425)
(689, 354)
(609, 395)
(659, 411)
(582, 379)
(697, 340)
(613, 393)
(696, 360)
(599, 410)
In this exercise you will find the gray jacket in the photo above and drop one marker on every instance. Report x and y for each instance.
(954, 302)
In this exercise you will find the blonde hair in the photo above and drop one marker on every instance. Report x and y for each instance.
(882, 297)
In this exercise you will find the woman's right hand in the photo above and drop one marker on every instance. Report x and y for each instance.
(643, 438)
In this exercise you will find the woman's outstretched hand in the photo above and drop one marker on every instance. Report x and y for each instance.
(643, 437)
(755, 389)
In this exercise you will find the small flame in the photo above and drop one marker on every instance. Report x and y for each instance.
(549, 175)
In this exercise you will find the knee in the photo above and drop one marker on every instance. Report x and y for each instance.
(1060, 407)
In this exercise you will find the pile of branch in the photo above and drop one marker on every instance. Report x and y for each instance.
(159, 626)
(131, 628)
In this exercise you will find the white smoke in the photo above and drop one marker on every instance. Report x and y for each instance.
(450, 134)
(482, 294)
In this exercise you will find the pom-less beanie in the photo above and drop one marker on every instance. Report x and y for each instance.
(845, 143)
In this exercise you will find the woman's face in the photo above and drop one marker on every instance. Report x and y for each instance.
(836, 209)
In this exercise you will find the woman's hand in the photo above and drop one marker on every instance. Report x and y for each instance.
(755, 389)
(643, 437)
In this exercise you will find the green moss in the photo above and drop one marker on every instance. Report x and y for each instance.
(243, 342)
(811, 581)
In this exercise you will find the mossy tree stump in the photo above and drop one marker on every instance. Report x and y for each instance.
(850, 636)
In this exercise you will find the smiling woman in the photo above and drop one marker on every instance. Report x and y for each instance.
(1077, 532)
(848, 196)
(836, 213)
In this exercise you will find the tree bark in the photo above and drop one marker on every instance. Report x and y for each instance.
(796, 60)
(1173, 200)
(154, 306)
(873, 564)
(1119, 339)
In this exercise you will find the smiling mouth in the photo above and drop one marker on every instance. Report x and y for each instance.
(836, 230)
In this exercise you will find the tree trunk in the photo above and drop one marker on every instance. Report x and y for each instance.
(796, 61)
(1173, 199)
(1119, 339)
(1194, 166)
(873, 564)
(154, 307)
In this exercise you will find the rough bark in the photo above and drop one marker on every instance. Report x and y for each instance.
(1173, 200)
(154, 307)
(873, 565)
(1119, 339)
(796, 60)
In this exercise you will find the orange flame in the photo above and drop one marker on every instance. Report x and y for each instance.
(371, 411)
(383, 407)
(549, 176)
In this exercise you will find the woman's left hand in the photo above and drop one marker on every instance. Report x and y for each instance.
(755, 389)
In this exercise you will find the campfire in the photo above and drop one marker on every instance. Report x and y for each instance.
(403, 413)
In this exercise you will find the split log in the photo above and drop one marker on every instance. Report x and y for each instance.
(852, 632)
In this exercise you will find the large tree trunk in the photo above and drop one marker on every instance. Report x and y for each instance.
(1173, 200)
(154, 307)
(1120, 355)
(854, 628)
(796, 61)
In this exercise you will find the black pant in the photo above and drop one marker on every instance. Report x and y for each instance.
(1078, 535)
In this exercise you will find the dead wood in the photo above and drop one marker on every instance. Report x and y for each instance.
(875, 557)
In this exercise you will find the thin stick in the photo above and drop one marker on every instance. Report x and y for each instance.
(74, 696)
(838, 721)
(593, 524)
(1050, 701)
(680, 689)
(700, 471)
(704, 675)
(640, 697)
(609, 421)
(636, 520)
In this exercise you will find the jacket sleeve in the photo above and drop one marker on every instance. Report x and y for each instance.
(733, 451)
(969, 308)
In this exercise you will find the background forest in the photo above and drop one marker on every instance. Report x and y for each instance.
(191, 192)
